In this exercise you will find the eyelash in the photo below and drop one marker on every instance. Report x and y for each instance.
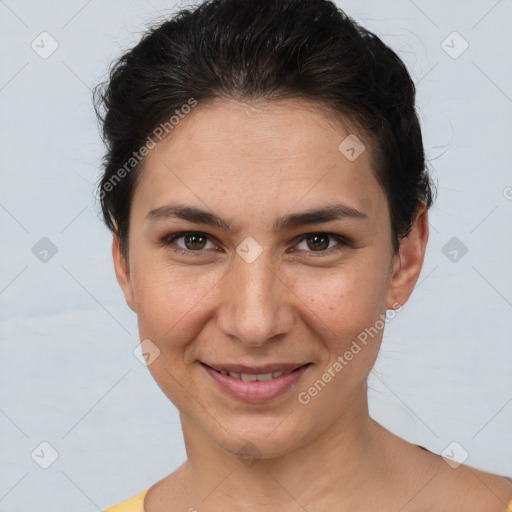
(168, 240)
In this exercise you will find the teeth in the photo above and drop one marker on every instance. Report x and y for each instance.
(248, 377)
(264, 376)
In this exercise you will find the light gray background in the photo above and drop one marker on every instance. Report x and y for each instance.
(68, 374)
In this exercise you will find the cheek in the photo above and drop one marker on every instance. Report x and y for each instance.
(345, 300)
(348, 315)
(170, 300)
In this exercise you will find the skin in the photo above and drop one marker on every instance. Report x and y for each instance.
(252, 163)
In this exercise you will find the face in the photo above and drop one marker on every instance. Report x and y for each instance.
(265, 288)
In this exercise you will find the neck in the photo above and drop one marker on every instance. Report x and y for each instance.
(345, 462)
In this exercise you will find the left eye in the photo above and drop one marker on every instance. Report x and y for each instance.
(195, 241)
(321, 242)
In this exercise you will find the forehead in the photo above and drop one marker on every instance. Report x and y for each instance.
(260, 156)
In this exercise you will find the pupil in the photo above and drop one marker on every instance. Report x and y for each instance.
(321, 245)
(195, 238)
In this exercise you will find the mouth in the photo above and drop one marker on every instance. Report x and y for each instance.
(261, 373)
(255, 383)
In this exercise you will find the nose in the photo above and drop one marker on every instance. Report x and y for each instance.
(255, 302)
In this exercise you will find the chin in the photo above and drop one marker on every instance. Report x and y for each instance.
(272, 438)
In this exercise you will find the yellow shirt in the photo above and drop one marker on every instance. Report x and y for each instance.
(135, 504)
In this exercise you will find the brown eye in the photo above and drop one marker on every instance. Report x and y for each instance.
(194, 241)
(319, 242)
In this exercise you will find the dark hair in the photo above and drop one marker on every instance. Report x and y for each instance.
(268, 49)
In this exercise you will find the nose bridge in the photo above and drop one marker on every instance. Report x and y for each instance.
(254, 306)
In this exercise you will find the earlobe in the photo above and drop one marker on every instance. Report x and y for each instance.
(122, 270)
(409, 261)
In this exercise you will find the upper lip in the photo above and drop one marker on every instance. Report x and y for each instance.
(255, 370)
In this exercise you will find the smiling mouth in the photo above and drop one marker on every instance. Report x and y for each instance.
(255, 384)
(247, 374)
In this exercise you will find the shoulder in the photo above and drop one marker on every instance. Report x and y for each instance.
(436, 486)
(471, 489)
(133, 504)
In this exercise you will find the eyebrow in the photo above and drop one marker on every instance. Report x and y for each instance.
(316, 216)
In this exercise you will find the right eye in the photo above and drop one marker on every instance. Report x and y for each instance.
(194, 241)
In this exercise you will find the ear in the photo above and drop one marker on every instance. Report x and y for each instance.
(409, 261)
(122, 269)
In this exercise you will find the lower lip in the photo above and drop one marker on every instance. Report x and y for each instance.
(256, 391)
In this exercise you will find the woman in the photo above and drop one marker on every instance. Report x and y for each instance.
(266, 186)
